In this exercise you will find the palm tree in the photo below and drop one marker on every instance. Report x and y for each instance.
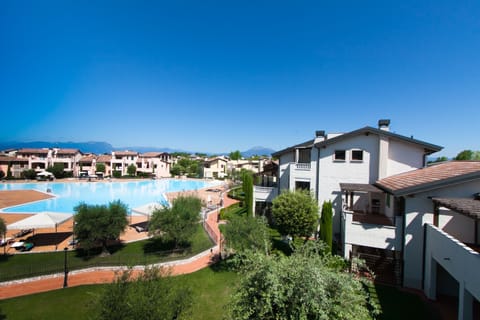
(3, 232)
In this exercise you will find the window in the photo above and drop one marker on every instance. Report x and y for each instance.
(302, 185)
(357, 155)
(340, 155)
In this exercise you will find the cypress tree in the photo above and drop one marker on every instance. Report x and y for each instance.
(326, 227)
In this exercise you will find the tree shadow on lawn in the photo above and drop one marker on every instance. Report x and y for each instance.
(161, 246)
(88, 254)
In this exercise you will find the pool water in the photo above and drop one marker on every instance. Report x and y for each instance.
(69, 195)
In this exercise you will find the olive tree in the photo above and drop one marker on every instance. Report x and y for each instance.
(247, 233)
(99, 223)
(178, 222)
(309, 284)
(131, 170)
(150, 295)
(295, 213)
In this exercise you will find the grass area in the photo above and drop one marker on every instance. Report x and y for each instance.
(211, 289)
(398, 304)
(234, 210)
(135, 253)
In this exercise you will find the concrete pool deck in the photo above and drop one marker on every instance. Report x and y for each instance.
(20, 288)
(209, 195)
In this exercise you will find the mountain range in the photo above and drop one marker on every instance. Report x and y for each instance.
(105, 147)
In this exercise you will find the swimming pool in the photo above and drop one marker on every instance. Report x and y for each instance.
(69, 195)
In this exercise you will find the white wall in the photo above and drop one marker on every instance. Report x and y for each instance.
(457, 225)
(284, 174)
(403, 157)
(372, 235)
(458, 260)
(419, 210)
(331, 173)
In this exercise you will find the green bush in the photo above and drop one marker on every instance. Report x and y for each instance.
(29, 174)
(117, 174)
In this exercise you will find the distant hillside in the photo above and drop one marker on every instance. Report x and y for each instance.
(259, 151)
(105, 147)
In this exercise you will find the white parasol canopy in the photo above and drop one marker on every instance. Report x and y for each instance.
(45, 173)
(40, 220)
(147, 209)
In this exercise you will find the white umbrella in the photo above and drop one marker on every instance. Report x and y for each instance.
(40, 220)
(147, 209)
(45, 173)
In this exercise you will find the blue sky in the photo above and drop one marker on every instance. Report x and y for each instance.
(217, 76)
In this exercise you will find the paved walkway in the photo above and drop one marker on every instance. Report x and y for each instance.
(96, 276)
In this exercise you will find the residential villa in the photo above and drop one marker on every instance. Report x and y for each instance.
(414, 225)
(121, 160)
(215, 168)
(156, 164)
(14, 164)
(41, 158)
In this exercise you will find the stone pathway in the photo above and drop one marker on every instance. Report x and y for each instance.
(107, 275)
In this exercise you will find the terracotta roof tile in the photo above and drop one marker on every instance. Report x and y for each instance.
(429, 176)
(67, 151)
(12, 159)
(469, 207)
(32, 150)
(125, 153)
(105, 158)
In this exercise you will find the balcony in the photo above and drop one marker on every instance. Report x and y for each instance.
(302, 166)
(461, 262)
(371, 230)
(264, 194)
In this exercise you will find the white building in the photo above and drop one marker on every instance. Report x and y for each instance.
(121, 160)
(155, 163)
(362, 156)
(417, 226)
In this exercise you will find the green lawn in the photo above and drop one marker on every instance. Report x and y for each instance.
(135, 253)
(398, 304)
(211, 289)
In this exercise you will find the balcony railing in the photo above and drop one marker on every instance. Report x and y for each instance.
(302, 166)
(369, 230)
(265, 194)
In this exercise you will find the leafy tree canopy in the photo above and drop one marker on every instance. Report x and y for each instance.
(295, 213)
(150, 295)
(247, 233)
(310, 284)
(131, 170)
(468, 155)
(99, 223)
(235, 155)
(58, 170)
(100, 167)
(178, 222)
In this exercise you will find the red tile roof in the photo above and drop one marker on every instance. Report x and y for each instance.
(67, 151)
(12, 159)
(443, 173)
(105, 158)
(32, 151)
(125, 153)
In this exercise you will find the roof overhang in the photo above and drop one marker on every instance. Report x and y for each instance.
(359, 187)
(467, 207)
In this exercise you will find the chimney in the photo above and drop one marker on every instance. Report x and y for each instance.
(384, 124)
(319, 136)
